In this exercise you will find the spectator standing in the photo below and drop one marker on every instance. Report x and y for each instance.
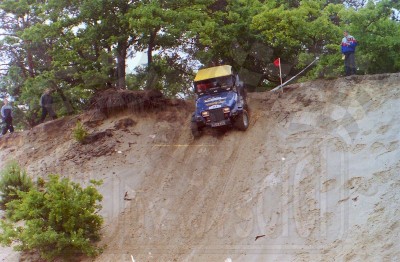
(46, 102)
(6, 116)
(349, 44)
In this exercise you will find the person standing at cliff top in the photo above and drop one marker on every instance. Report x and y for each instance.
(349, 44)
(6, 116)
(46, 102)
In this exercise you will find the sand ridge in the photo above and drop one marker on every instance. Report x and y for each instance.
(314, 178)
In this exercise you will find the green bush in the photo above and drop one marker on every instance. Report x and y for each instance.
(60, 220)
(12, 180)
(79, 132)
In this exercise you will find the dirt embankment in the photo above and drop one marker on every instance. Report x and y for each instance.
(314, 178)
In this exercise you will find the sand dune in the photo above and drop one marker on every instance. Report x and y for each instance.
(316, 177)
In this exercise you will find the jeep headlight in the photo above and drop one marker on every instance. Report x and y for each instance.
(205, 114)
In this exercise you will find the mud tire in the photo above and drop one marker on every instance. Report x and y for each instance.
(242, 121)
(196, 132)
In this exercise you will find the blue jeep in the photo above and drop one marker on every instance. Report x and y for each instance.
(220, 101)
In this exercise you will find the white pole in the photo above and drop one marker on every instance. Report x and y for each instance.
(282, 85)
(280, 72)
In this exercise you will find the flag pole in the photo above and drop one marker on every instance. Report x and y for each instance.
(282, 85)
(280, 72)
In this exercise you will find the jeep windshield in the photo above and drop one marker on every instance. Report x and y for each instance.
(214, 80)
(214, 85)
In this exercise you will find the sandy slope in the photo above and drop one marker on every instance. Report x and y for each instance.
(315, 177)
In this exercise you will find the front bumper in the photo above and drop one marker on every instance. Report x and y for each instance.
(216, 118)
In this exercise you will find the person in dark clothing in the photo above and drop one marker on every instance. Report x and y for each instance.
(46, 102)
(349, 44)
(6, 116)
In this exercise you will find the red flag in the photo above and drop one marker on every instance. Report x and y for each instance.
(277, 62)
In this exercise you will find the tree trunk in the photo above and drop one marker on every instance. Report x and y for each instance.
(150, 47)
(31, 67)
(151, 74)
(121, 64)
(66, 102)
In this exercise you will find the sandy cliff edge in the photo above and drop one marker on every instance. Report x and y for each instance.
(314, 178)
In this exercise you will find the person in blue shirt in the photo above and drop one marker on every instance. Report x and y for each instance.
(349, 44)
(6, 116)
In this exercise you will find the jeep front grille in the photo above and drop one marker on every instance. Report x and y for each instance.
(216, 115)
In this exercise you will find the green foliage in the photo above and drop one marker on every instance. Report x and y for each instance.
(307, 29)
(224, 35)
(80, 47)
(79, 132)
(377, 34)
(60, 220)
(12, 180)
(170, 74)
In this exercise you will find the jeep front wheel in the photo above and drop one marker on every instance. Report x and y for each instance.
(195, 129)
(242, 121)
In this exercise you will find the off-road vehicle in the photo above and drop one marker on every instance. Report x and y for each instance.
(220, 100)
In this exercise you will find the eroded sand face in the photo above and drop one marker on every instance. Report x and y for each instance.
(314, 178)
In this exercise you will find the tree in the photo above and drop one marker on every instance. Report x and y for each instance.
(107, 32)
(223, 35)
(28, 47)
(15, 17)
(294, 32)
(12, 180)
(60, 218)
(69, 48)
(80, 46)
(166, 30)
(377, 34)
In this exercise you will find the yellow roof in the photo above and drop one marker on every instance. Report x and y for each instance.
(213, 72)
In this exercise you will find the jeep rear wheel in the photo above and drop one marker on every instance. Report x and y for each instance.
(242, 121)
(195, 129)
